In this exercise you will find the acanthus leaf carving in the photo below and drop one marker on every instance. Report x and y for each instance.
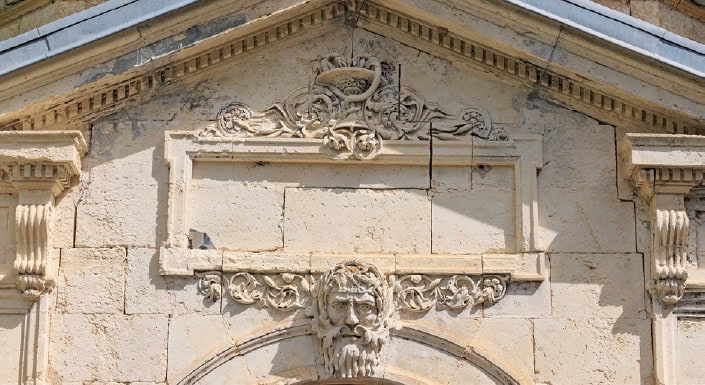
(353, 108)
(419, 293)
(283, 291)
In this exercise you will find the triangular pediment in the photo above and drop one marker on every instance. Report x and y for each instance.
(556, 60)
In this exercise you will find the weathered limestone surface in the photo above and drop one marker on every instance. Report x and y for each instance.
(93, 281)
(593, 351)
(690, 341)
(578, 197)
(597, 285)
(393, 220)
(11, 335)
(148, 292)
(241, 313)
(106, 348)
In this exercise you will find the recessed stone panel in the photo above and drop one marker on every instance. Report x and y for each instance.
(357, 220)
(238, 216)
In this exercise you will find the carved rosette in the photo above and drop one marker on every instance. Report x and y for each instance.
(353, 109)
(670, 248)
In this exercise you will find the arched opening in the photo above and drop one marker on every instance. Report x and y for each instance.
(289, 356)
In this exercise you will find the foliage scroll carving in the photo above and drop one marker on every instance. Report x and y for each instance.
(353, 107)
(352, 306)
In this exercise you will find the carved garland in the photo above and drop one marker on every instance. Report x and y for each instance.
(353, 306)
(353, 107)
(412, 292)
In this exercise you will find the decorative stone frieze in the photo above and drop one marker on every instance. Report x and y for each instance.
(353, 305)
(39, 165)
(353, 105)
(664, 168)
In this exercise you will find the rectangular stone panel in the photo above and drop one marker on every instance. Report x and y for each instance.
(238, 216)
(357, 220)
(474, 209)
(4, 235)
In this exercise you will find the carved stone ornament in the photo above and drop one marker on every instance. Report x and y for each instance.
(353, 305)
(39, 166)
(419, 293)
(664, 168)
(352, 105)
(670, 248)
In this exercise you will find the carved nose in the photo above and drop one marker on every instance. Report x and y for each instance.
(351, 319)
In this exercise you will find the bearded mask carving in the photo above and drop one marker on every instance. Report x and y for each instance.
(352, 315)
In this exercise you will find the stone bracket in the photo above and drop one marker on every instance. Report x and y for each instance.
(664, 168)
(38, 165)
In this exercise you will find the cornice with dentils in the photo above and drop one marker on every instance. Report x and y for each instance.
(608, 38)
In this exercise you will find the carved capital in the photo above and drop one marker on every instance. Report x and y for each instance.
(39, 165)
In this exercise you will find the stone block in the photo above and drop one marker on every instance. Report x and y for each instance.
(147, 291)
(597, 285)
(690, 342)
(365, 221)
(343, 175)
(194, 338)
(474, 221)
(64, 219)
(593, 351)
(238, 216)
(522, 300)
(124, 185)
(92, 281)
(508, 342)
(105, 347)
(11, 326)
(585, 221)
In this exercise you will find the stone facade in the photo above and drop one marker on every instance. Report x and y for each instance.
(351, 193)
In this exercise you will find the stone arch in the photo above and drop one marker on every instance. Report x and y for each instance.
(287, 356)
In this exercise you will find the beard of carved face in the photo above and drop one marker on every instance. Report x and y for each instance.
(352, 353)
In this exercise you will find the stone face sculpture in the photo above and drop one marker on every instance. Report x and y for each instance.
(352, 311)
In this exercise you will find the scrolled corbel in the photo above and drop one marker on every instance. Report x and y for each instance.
(33, 240)
(670, 249)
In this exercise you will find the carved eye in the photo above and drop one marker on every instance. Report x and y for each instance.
(365, 308)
